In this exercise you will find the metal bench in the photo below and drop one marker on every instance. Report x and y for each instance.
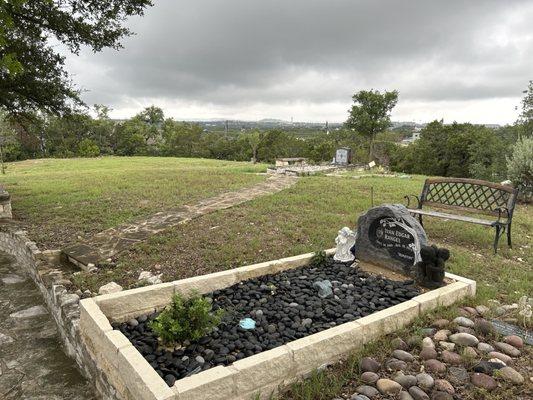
(468, 195)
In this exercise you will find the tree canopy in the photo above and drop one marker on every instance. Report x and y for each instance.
(525, 119)
(370, 113)
(32, 74)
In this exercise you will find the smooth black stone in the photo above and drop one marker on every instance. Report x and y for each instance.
(358, 295)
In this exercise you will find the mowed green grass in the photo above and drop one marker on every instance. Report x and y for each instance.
(306, 218)
(61, 199)
(69, 196)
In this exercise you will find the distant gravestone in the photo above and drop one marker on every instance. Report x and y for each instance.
(390, 237)
(343, 156)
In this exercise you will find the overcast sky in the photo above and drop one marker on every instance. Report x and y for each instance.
(251, 59)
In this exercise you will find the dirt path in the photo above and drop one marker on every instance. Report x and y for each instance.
(112, 241)
(32, 362)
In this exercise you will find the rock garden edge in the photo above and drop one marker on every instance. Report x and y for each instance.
(259, 375)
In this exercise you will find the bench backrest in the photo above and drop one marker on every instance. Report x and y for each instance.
(469, 195)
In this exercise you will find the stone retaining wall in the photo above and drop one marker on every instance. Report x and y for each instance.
(5, 204)
(63, 306)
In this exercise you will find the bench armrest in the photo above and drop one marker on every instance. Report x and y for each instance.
(502, 210)
(408, 199)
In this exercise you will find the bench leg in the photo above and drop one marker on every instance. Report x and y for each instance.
(420, 219)
(497, 238)
(509, 236)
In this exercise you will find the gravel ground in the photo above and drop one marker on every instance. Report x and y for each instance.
(286, 306)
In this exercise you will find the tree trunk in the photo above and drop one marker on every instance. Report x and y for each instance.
(2, 160)
(371, 149)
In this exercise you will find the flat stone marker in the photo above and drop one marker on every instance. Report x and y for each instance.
(31, 312)
(390, 237)
(506, 329)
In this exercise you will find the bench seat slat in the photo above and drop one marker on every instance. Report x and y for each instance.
(451, 216)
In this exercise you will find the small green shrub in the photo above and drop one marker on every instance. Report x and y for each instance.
(319, 259)
(186, 319)
(520, 165)
(88, 148)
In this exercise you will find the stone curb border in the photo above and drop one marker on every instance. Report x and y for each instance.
(261, 374)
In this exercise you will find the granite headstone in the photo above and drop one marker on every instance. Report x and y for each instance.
(343, 156)
(390, 237)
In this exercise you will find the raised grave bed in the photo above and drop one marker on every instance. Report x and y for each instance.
(297, 331)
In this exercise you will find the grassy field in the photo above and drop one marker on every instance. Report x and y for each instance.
(306, 218)
(73, 197)
(60, 199)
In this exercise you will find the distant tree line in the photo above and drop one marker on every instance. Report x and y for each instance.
(458, 150)
(150, 133)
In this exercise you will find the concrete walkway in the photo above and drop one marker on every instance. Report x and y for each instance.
(112, 241)
(32, 362)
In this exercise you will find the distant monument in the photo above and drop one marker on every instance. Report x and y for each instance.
(390, 237)
(343, 156)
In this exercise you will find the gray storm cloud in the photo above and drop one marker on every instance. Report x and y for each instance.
(236, 53)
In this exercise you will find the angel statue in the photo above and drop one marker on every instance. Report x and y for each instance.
(345, 241)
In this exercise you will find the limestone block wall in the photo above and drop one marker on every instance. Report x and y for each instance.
(5, 205)
(63, 306)
(257, 376)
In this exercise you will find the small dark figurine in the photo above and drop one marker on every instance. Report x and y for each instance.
(430, 271)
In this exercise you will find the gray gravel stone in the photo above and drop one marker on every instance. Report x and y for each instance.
(402, 355)
(200, 360)
(368, 391)
(483, 381)
(485, 347)
(434, 366)
(482, 310)
(358, 397)
(507, 349)
(511, 375)
(424, 381)
(500, 356)
(458, 376)
(405, 380)
(405, 396)
(443, 385)
(369, 364)
(388, 387)
(428, 353)
(441, 335)
(463, 321)
(428, 342)
(441, 396)
(418, 394)
(464, 339)
(395, 365)
(369, 377)
(399, 344)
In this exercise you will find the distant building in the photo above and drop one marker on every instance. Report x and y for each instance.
(414, 137)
